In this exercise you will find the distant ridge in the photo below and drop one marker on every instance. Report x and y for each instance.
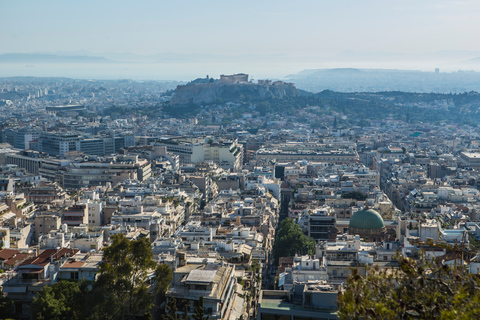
(41, 57)
(381, 80)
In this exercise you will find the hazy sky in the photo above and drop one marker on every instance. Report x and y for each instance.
(295, 28)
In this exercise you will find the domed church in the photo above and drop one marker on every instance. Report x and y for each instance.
(368, 224)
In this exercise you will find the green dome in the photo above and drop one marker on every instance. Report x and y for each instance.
(367, 220)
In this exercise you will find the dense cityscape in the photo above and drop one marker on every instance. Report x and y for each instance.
(239, 160)
(258, 212)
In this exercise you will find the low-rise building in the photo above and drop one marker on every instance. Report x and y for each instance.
(215, 282)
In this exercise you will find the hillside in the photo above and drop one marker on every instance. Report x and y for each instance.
(205, 92)
(358, 108)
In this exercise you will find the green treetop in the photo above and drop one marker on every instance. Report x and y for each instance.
(291, 240)
(423, 289)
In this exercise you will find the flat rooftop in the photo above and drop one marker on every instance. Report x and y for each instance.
(278, 302)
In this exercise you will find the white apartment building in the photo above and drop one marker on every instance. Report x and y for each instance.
(228, 154)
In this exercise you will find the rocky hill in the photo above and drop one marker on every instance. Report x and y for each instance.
(205, 93)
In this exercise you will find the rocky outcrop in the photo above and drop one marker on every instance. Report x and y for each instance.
(205, 93)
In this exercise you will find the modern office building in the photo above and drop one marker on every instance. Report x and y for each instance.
(61, 144)
(100, 173)
(333, 156)
(20, 138)
(228, 154)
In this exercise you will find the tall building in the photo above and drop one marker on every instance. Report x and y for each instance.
(20, 138)
(96, 173)
(60, 144)
(227, 154)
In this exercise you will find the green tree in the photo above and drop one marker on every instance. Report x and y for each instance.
(199, 312)
(6, 306)
(263, 108)
(354, 195)
(58, 302)
(171, 310)
(291, 240)
(163, 278)
(121, 287)
(423, 289)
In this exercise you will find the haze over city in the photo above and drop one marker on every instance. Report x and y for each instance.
(173, 40)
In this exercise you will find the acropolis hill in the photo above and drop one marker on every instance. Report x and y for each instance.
(208, 90)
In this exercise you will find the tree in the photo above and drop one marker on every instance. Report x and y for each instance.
(6, 306)
(199, 312)
(263, 108)
(58, 302)
(163, 278)
(423, 289)
(291, 240)
(122, 282)
(171, 309)
(354, 195)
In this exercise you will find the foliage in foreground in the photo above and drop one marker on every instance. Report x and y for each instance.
(172, 308)
(6, 306)
(120, 291)
(59, 301)
(423, 289)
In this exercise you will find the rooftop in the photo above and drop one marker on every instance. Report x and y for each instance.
(278, 300)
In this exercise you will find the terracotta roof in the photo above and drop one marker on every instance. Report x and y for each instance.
(6, 254)
(36, 261)
(44, 257)
(18, 257)
(63, 252)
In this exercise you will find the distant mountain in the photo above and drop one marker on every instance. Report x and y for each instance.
(377, 80)
(475, 60)
(439, 56)
(168, 57)
(50, 58)
(163, 57)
